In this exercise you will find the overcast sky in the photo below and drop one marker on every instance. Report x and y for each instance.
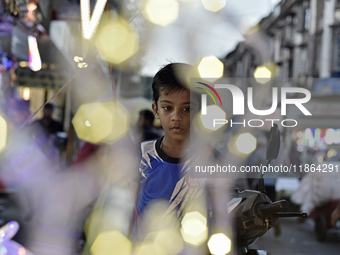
(198, 32)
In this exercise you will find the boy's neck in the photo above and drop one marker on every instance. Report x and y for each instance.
(175, 149)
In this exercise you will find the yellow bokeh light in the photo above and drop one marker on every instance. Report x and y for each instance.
(213, 5)
(262, 74)
(246, 143)
(3, 133)
(161, 12)
(210, 67)
(101, 122)
(214, 112)
(113, 243)
(117, 40)
(194, 228)
(166, 241)
(149, 248)
(170, 241)
(219, 244)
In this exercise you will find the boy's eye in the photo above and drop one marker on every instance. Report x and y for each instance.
(167, 108)
(187, 109)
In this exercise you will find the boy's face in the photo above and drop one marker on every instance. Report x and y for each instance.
(175, 112)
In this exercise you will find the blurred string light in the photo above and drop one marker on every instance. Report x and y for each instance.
(22, 251)
(89, 25)
(332, 153)
(117, 40)
(78, 59)
(213, 5)
(167, 241)
(3, 133)
(113, 243)
(219, 244)
(80, 62)
(161, 12)
(101, 122)
(246, 143)
(210, 67)
(26, 94)
(337, 137)
(207, 120)
(194, 228)
(242, 145)
(147, 249)
(320, 159)
(330, 136)
(262, 74)
(34, 61)
(23, 64)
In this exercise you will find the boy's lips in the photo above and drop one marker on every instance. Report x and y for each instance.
(177, 129)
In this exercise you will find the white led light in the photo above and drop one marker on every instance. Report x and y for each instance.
(90, 24)
(34, 61)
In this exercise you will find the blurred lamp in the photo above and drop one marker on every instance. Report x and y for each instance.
(194, 228)
(34, 61)
(262, 74)
(113, 243)
(161, 12)
(101, 122)
(213, 5)
(246, 143)
(117, 40)
(219, 244)
(213, 112)
(210, 67)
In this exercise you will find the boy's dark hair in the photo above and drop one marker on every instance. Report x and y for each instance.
(148, 115)
(170, 78)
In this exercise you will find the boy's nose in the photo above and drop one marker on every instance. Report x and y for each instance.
(176, 116)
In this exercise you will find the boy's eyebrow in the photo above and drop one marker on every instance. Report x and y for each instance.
(165, 101)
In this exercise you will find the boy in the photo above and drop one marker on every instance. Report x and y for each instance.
(165, 162)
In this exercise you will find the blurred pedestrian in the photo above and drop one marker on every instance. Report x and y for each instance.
(47, 122)
(145, 125)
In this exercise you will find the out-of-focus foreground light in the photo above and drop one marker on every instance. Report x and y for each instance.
(34, 61)
(213, 5)
(214, 112)
(101, 122)
(3, 133)
(194, 228)
(117, 40)
(77, 59)
(246, 143)
(22, 251)
(219, 244)
(329, 137)
(262, 74)
(167, 242)
(23, 64)
(89, 26)
(332, 153)
(210, 67)
(161, 12)
(26, 94)
(113, 243)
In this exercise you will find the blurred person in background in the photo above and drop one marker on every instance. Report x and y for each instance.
(145, 125)
(47, 123)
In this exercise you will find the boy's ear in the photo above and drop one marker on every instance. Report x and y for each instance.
(155, 110)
